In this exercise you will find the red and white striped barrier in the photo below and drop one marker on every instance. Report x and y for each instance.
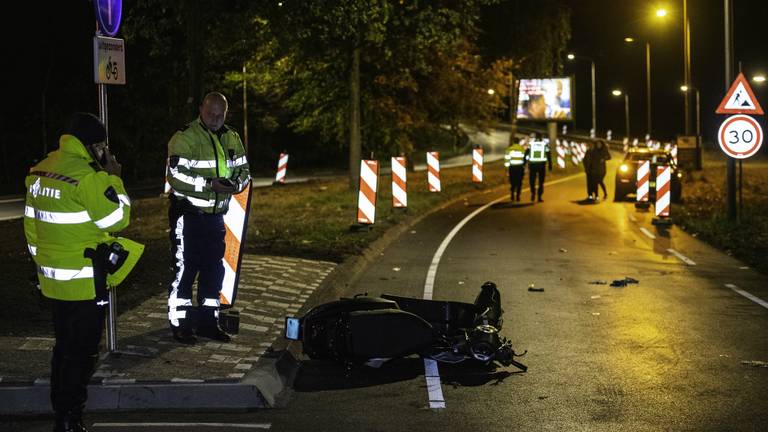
(399, 190)
(282, 166)
(663, 194)
(167, 186)
(560, 154)
(366, 198)
(235, 223)
(574, 149)
(643, 179)
(433, 171)
(477, 165)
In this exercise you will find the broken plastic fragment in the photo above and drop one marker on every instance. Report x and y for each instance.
(755, 363)
(619, 283)
(563, 250)
(598, 282)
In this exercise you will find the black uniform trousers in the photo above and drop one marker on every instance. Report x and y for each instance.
(197, 244)
(78, 326)
(516, 173)
(537, 169)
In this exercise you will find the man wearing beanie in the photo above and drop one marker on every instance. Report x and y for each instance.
(206, 165)
(75, 199)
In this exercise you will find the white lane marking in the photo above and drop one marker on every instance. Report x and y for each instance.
(434, 389)
(755, 299)
(648, 233)
(682, 257)
(167, 424)
(431, 372)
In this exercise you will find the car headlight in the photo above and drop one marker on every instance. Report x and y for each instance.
(623, 168)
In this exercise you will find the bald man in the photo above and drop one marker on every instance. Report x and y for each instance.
(206, 166)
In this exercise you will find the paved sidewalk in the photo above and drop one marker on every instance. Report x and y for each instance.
(241, 374)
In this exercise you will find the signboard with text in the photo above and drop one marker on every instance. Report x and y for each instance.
(108, 60)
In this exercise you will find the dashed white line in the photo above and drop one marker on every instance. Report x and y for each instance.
(755, 299)
(682, 257)
(647, 233)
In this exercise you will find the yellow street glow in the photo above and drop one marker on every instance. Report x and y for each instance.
(684, 88)
(661, 13)
(758, 78)
(629, 39)
(491, 91)
(616, 92)
(623, 168)
(571, 56)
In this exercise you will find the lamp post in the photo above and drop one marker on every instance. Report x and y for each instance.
(647, 80)
(618, 92)
(686, 89)
(594, 98)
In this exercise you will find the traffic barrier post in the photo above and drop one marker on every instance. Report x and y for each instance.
(282, 167)
(366, 197)
(643, 181)
(477, 165)
(399, 185)
(433, 171)
(663, 195)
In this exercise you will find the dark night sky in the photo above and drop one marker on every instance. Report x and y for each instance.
(59, 36)
(598, 30)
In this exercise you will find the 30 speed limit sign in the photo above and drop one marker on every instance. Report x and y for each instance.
(740, 136)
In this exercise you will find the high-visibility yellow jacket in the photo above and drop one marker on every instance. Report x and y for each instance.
(196, 155)
(514, 155)
(71, 206)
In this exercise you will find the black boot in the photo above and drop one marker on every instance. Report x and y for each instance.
(184, 335)
(69, 422)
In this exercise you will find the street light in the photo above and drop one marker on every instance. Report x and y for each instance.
(647, 79)
(685, 90)
(758, 78)
(572, 56)
(617, 93)
(661, 13)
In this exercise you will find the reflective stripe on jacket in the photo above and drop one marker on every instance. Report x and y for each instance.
(70, 206)
(538, 151)
(195, 156)
(514, 155)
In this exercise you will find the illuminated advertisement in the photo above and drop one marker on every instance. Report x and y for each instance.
(548, 99)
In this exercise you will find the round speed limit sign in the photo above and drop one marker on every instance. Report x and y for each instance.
(740, 136)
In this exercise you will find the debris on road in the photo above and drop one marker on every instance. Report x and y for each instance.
(598, 282)
(624, 282)
(533, 288)
(563, 250)
(397, 269)
(613, 253)
(595, 297)
(755, 363)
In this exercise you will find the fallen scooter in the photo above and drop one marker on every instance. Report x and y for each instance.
(370, 330)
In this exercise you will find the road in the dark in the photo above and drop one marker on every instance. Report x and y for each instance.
(677, 351)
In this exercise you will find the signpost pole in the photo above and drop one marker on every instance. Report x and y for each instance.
(731, 163)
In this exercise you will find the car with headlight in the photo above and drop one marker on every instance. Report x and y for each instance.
(626, 174)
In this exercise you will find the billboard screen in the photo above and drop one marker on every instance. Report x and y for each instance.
(545, 99)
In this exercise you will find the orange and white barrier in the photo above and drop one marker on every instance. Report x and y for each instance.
(574, 149)
(366, 198)
(235, 223)
(433, 171)
(399, 190)
(477, 165)
(663, 182)
(560, 155)
(643, 179)
(282, 166)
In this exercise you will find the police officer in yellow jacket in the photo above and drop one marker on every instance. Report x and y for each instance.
(206, 165)
(75, 198)
(514, 160)
(538, 157)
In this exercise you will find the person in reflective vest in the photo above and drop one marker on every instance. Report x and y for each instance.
(514, 160)
(74, 200)
(206, 166)
(538, 157)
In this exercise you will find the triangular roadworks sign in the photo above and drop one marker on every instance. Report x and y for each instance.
(740, 99)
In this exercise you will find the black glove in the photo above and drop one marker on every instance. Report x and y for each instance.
(223, 185)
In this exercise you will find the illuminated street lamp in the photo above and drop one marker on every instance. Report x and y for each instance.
(572, 56)
(617, 93)
(491, 92)
(758, 78)
(661, 13)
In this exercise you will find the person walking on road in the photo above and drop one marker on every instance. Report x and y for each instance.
(206, 166)
(538, 157)
(75, 198)
(589, 163)
(602, 155)
(514, 160)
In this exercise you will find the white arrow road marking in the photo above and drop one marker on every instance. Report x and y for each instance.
(431, 372)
